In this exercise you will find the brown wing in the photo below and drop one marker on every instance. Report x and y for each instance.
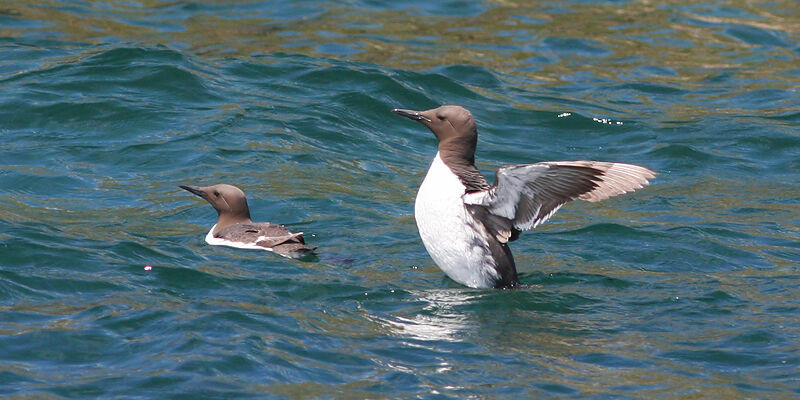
(263, 234)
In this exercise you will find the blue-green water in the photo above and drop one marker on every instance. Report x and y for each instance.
(687, 289)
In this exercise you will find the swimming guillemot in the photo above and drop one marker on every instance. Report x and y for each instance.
(465, 223)
(234, 228)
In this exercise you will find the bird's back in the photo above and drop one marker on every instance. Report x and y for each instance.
(261, 235)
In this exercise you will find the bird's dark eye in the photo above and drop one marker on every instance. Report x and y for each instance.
(216, 193)
(441, 117)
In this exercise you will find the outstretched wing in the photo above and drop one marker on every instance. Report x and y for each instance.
(524, 196)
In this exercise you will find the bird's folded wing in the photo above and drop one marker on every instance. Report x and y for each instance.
(524, 196)
(263, 234)
(277, 240)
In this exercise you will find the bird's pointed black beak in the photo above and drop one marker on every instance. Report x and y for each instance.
(194, 189)
(411, 114)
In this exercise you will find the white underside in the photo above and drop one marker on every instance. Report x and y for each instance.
(454, 241)
(215, 241)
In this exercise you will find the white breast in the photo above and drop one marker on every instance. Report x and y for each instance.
(455, 242)
(215, 241)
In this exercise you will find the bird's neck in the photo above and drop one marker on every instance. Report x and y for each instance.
(458, 151)
(227, 219)
(460, 158)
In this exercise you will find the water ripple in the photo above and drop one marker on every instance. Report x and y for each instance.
(685, 287)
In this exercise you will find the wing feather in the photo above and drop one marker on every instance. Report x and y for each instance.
(263, 234)
(525, 196)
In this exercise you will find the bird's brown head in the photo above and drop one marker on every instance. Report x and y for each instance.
(453, 126)
(228, 200)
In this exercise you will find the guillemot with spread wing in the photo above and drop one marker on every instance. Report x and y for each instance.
(234, 228)
(466, 223)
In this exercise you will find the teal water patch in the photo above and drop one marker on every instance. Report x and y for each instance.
(685, 287)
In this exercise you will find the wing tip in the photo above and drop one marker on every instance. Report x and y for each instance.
(617, 179)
